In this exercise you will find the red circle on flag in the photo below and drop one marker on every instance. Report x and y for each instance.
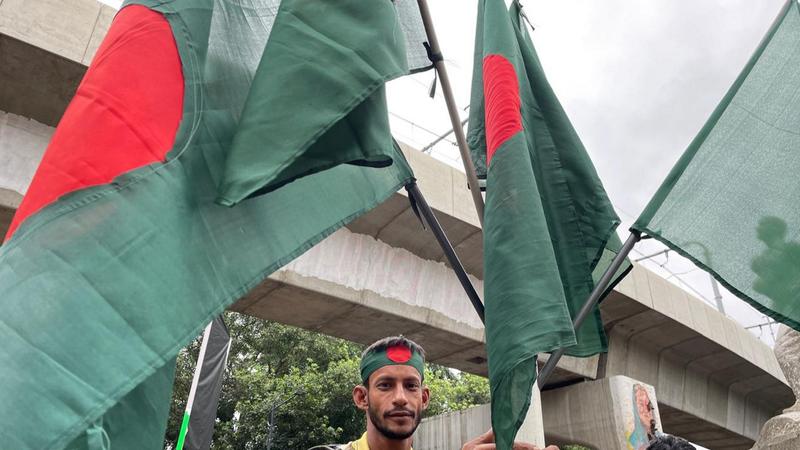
(502, 102)
(398, 353)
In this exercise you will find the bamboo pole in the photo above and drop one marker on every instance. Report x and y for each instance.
(452, 109)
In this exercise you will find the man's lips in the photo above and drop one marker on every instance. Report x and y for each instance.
(399, 414)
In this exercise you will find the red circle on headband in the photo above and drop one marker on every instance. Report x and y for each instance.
(398, 353)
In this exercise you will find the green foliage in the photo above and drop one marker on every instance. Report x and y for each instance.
(309, 379)
(454, 391)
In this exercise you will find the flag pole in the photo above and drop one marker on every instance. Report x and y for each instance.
(430, 218)
(594, 297)
(193, 390)
(197, 427)
(438, 63)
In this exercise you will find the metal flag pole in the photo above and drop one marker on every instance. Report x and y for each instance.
(452, 109)
(427, 213)
(594, 297)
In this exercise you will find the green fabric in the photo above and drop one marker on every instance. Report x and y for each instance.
(138, 420)
(331, 112)
(102, 288)
(730, 204)
(548, 223)
(374, 361)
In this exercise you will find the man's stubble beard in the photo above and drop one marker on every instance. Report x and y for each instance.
(384, 430)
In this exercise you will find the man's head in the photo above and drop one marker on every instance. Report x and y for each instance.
(392, 392)
(669, 442)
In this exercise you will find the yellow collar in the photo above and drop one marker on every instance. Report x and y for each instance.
(361, 444)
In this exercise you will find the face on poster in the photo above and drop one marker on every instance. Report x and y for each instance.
(641, 423)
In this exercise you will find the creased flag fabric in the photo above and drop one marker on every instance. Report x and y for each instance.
(119, 254)
(548, 222)
(731, 202)
(336, 107)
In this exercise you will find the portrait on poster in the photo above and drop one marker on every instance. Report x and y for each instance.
(641, 424)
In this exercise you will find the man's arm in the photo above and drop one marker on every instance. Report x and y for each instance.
(486, 442)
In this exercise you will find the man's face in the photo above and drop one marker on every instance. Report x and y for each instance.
(395, 399)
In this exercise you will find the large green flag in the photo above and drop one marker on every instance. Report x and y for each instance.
(548, 222)
(730, 204)
(119, 254)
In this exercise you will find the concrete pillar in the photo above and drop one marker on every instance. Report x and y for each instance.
(22, 144)
(532, 429)
(615, 412)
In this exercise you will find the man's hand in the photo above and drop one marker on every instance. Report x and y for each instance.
(486, 442)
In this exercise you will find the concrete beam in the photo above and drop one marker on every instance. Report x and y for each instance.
(363, 296)
(72, 29)
(9, 201)
(446, 190)
(45, 46)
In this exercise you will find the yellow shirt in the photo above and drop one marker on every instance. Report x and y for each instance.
(360, 444)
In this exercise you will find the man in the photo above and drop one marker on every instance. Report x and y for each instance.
(393, 395)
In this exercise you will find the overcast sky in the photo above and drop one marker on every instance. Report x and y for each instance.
(637, 78)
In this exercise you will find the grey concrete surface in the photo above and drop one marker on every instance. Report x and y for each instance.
(22, 144)
(452, 430)
(45, 46)
(36, 83)
(602, 414)
(71, 29)
(445, 189)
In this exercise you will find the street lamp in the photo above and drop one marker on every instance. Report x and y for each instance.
(273, 408)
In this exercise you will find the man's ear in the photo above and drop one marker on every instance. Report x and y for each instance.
(426, 397)
(361, 397)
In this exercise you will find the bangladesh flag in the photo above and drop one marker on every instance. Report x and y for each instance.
(120, 254)
(730, 204)
(548, 226)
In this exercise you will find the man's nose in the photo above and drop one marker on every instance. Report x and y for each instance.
(399, 396)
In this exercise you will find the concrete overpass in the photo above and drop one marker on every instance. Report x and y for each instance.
(716, 383)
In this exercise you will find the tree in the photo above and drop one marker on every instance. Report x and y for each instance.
(311, 377)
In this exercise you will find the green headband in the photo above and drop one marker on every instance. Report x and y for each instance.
(395, 355)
